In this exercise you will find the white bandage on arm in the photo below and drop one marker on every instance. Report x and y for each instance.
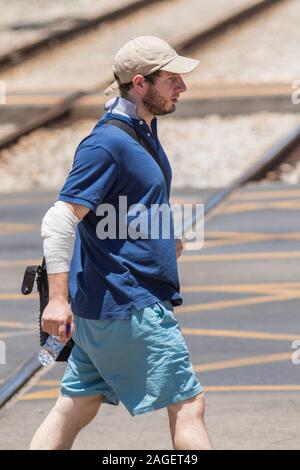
(58, 231)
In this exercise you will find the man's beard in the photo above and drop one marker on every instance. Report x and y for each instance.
(157, 104)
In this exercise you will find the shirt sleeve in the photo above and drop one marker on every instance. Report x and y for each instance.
(91, 179)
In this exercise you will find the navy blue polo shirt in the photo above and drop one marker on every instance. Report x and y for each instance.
(110, 276)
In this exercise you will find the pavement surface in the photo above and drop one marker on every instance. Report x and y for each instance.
(240, 318)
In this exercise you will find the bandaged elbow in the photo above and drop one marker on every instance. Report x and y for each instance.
(58, 232)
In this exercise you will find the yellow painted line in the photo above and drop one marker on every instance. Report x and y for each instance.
(228, 234)
(26, 201)
(247, 207)
(185, 200)
(49, 383)
(243, 362)
(10, 228)
(19, 262)
(287, 293)
(15, 334)
(290, 204)
(240, 256)
(250, 235)
(18, 296)
(255, 238)
(206, 244)
(41, 395)
(222, 304)
(264, 287)
(54, 393)
(253, 388)
(17, 324)
(240, 334)
(266, 194)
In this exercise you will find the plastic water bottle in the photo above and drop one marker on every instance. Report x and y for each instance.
(51, 350)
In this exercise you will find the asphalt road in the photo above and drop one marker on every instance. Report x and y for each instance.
(240, 317)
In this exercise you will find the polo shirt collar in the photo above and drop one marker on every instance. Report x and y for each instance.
(119, 105)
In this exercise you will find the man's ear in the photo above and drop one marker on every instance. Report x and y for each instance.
(139, 83)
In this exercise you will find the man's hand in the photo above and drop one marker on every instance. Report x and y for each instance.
(179, 247)
(56, 316)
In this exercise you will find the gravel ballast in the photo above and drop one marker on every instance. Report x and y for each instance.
(204, 153)
(86, 61)
(263, 51)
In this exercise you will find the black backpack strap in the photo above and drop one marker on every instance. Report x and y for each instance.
(136, 136)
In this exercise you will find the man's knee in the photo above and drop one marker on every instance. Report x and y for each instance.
(78, 410)
(188, 409)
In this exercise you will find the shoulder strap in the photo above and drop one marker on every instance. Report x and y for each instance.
(136, 136)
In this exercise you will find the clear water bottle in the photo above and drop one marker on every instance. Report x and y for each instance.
(51, 350)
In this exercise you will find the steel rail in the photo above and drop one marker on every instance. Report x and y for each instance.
(275, 155)
(60, 110)
(56, 38)
(222, 26)
(20, 378)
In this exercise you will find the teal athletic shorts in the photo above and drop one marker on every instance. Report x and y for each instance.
(142, 362)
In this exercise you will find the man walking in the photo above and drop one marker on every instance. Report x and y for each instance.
(128, 346)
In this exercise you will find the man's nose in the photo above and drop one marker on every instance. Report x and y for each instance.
(181, 86)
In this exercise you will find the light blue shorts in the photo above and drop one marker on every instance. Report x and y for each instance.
(142, 362)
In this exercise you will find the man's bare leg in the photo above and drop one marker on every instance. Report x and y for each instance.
(65, 420)
(187, 425)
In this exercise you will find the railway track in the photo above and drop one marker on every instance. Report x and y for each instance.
(185, 46)
(266, 163)
(56, 38)
(76, 27)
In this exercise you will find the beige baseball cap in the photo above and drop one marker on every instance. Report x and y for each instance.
(145, 55)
